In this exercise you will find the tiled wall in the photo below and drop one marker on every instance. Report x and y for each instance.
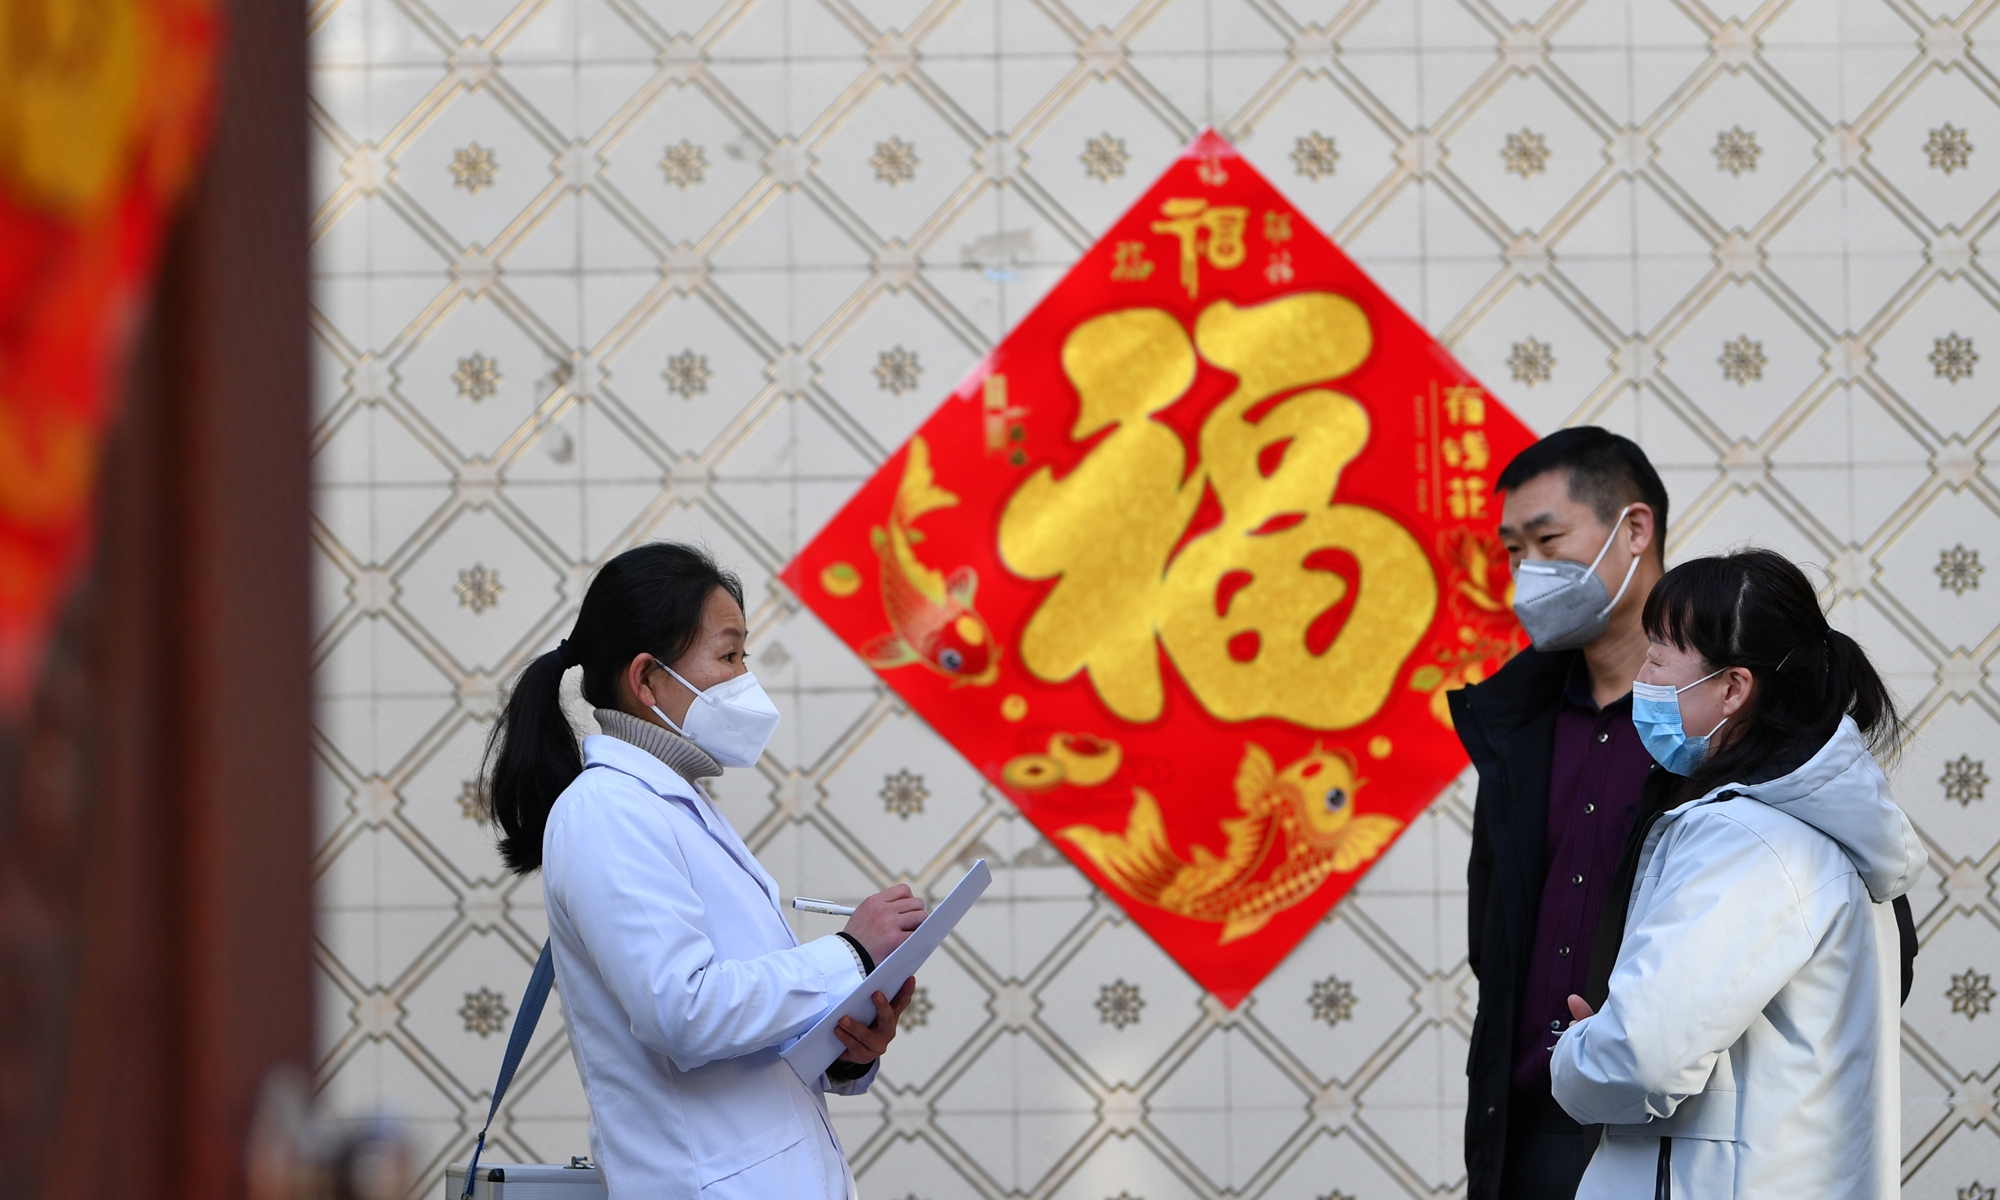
(592, 272)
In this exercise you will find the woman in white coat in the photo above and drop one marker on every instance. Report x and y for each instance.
(679, 976)
(1749, 1042)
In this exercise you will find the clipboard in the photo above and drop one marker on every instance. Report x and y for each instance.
(815, 1049)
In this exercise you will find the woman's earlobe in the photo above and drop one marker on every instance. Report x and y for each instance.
(1748, 684)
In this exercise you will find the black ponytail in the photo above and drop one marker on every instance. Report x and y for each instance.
(1755, 609)
(647, 600)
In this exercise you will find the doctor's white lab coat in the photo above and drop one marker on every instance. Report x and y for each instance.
(680, 980)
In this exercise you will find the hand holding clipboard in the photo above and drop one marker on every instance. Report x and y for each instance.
(816, 1048)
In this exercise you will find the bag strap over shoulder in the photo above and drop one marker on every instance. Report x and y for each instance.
(525, 1020)
(1906, 935)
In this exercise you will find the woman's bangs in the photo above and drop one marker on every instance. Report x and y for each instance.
(1669, 615)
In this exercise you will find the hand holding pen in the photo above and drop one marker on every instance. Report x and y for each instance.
(880, 922)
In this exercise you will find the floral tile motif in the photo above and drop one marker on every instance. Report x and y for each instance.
(485, 1012)
(895, 161)
(1971, 994)
(1743, 360)
(1525, 153)
(1332, 1000)
(687, 374)
(1118, 1004)
(1953, 359)
(1104, 157)
(473, 168)
(1949, 148)
(1964, 779)
(1531, 361)
(1314, 155)
(478, 588)
(904, 794)
(1958, 570)
(477, 377)
(684, 164)
(897, 371)
(1736, 150)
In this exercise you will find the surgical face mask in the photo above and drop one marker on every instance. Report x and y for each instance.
(1562, 605)
(733, 720)
(1656, 712)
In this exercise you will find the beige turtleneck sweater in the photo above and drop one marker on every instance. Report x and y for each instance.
(688, 760)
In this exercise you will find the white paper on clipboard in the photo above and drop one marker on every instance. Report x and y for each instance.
(817, 1047)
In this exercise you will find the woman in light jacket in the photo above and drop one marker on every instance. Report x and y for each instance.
(679, 976)
(1749, 1042)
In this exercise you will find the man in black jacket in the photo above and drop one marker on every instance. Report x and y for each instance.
(1563, 779)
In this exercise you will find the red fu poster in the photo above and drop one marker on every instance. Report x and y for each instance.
(1187, 565)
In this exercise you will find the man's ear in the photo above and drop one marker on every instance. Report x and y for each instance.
(1639, 519)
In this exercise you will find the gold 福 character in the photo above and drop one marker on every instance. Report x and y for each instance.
(1190, 219)
(1293, 605)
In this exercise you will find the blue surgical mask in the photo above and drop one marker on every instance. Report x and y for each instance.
(1656, 712)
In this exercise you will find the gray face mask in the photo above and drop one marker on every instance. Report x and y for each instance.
(1562, 605)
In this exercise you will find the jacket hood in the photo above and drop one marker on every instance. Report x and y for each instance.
(1842, 792)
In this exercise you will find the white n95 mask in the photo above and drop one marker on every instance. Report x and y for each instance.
(733, 720)
(1562, 605)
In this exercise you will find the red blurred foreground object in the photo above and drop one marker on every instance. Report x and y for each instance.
(103, 109)
(1187, 565)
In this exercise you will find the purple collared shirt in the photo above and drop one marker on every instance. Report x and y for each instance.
(1596, 778)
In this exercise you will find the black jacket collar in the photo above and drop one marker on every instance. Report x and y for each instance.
(1529, 686)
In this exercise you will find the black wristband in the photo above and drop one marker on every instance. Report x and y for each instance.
(867, 960)
(847, 1072)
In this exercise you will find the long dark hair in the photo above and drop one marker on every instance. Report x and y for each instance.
(1756, 610)
(647, 600)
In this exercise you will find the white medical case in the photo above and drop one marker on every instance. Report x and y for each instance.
(528, 1181)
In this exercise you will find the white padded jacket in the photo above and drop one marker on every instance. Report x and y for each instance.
(1753, 1010)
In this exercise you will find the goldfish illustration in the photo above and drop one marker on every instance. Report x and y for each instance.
(1298, 827)
(931, 618)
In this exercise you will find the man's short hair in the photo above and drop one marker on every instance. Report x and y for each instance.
(1606, 471)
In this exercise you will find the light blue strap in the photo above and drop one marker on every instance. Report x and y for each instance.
(525, 1020)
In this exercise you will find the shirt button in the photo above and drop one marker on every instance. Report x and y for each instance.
(1590, 808)
(1563, 953)
(1603, 737)
(1577, 880)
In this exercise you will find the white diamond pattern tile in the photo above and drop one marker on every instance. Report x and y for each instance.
(595, 271)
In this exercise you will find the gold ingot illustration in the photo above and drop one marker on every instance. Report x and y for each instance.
(840, 580)
(1087, 760)
(1032, 772)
